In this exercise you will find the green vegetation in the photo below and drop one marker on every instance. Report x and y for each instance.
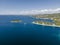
(54, 17)
(57, 15)
(15, 21)
(41, 22)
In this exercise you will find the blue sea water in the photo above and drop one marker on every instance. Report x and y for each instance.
(27, 34)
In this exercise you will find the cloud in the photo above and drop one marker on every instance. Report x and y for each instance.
(29, 12)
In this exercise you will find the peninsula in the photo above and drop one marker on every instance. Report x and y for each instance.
(47, 19)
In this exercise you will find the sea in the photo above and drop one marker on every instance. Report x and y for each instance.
(26, 33)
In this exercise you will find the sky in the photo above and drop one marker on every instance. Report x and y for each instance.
(29, 6)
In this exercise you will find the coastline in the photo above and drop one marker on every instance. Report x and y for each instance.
(45, 24)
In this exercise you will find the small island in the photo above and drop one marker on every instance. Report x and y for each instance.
(16, 21)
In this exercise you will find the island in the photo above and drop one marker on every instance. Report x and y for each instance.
(16, 21)
(47, 19)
